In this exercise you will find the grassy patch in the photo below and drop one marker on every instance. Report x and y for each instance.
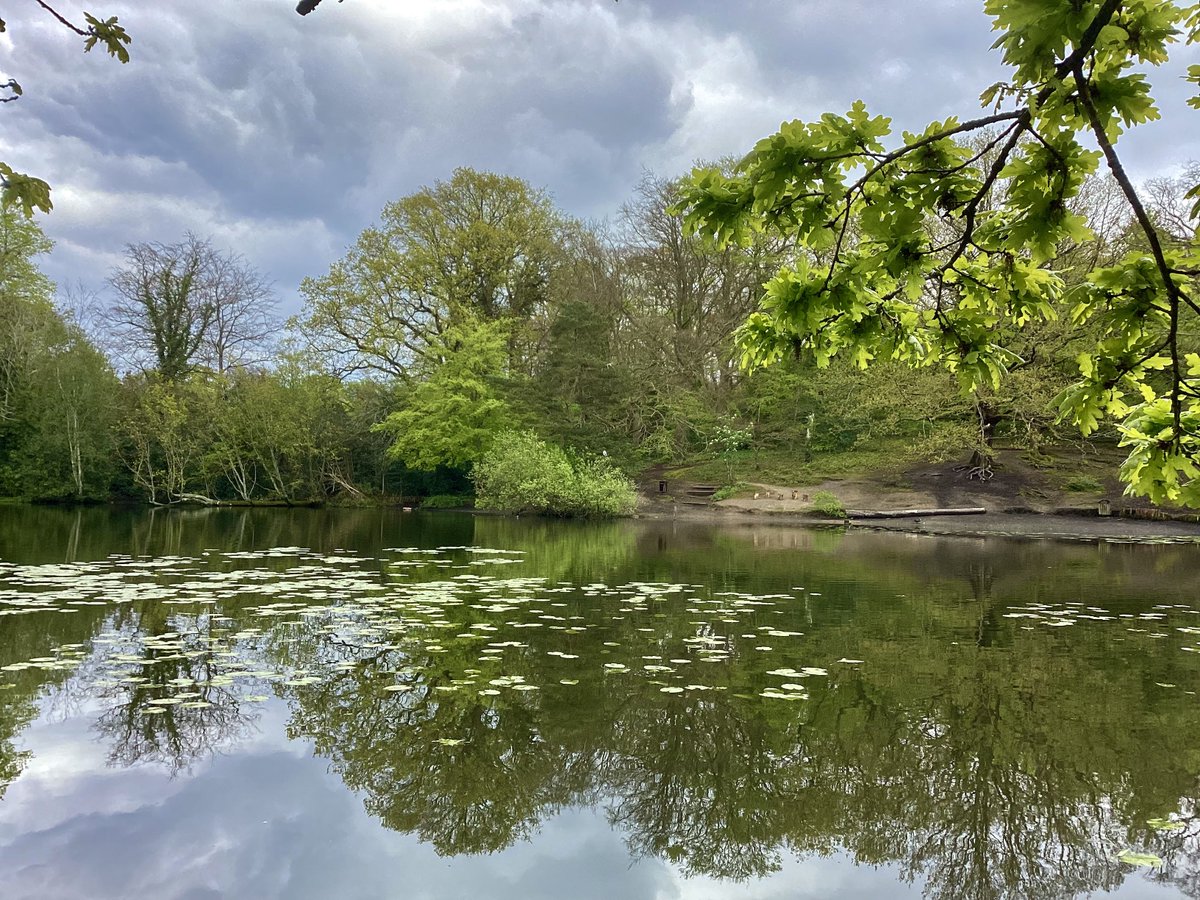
(1084, 484)
(792, 468)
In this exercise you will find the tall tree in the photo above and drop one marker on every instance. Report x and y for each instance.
(185, 305)
(452, 416)
(479, 246)
(697, 291)
(55, 387)
(876, 281)
(26, 312)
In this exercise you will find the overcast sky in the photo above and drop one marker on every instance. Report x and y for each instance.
(282, 137)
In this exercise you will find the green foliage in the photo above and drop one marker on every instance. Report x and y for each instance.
(731, 490)
(827, 504)
(109, 35)
(452, 417)
(477, 248)
(579, 395)
(448, 501)
(56, 389)
(523, 473)
(934, 252)
(25, 191)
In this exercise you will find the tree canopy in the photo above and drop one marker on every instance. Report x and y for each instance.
(927, 249)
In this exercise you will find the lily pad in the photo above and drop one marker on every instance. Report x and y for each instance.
(1133, 858)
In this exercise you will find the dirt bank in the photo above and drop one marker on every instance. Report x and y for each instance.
(1019, 498)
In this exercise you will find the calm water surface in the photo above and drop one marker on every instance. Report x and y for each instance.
(365, 704)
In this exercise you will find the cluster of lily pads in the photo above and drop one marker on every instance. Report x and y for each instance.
(1157, 623)
(411, 601)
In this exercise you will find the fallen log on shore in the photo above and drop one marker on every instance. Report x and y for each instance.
(909, 513)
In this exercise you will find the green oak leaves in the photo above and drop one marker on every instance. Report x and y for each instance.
(940, 248)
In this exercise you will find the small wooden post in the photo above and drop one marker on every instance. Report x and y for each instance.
(1105, 508)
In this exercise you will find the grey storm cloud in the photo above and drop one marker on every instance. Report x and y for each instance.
(282, 137)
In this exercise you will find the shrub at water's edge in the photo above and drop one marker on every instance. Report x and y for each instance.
(522, 473)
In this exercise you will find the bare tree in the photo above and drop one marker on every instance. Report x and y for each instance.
(187, 305)
(1170, 205)
(243, 314)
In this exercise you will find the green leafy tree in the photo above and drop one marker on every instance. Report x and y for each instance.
(581, 393)
(164, 433)
(70, 447)
(479, 246)
(56, 388)
(927, 251)
(452, 417)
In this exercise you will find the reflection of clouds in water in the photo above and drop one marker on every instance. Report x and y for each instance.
(68, 775)
(277, 824)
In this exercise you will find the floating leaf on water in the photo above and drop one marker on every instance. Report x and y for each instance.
(1166, 824)
(568, 681)
(398, 688)
(671, 690)
(1133, 858)
(850, 662)
(450, 742)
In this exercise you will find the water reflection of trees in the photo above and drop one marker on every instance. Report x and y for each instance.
(177, 735)
(969, 765)
(1008, 764)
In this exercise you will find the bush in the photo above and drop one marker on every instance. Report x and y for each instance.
(522, 473)
(731, 490)
(828, 504)
(1084, 484)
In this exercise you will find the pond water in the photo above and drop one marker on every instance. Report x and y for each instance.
(367, 703)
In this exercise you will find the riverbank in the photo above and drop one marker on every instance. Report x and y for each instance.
(1061, 526)
(1059, 494)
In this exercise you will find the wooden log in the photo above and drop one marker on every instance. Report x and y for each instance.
(907, 513)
